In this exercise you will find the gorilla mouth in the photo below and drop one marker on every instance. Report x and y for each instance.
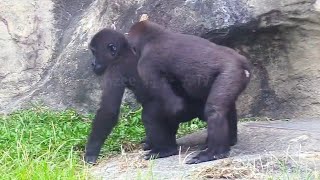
(98, 71)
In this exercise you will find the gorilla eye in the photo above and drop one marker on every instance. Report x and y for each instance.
(112, 48)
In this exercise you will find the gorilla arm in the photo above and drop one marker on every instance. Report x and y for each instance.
(106, 117)
(159, 86)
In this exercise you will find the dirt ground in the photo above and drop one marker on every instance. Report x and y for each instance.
(278, 149)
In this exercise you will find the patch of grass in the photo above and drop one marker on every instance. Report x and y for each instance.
(39, 143)
(128, 133)
(42, 144)
(191, 126)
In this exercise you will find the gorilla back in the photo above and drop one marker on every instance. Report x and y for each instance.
(116, 62)
(209, 73)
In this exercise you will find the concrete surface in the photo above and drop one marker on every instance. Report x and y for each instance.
(288, 139)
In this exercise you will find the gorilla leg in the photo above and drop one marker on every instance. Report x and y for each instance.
(223, 94)
(173, 126)
(146, 117)
(164, 150)
(233, 129)
(160, 134)
(233, 125)
(172, 129)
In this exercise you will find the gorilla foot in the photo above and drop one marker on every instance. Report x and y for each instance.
(155, 154)
(203, 147)
(233, 141)
(207, 156)
(146, 146)
(91, 159)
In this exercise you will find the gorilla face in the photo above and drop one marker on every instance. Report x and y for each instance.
(105, 50)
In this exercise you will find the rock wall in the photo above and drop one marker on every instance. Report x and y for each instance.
(44, 56)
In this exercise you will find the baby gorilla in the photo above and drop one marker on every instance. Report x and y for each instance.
(115, 60)
(211, 74)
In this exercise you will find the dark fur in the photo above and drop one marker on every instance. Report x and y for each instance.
(115, 60)
(208, 73)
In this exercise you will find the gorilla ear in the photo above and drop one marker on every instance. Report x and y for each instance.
(112, 48)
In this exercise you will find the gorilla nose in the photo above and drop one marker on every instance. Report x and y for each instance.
(94, 65)
(98, 69)
(97, 66)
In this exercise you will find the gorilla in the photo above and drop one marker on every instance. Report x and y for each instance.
(210, 74)
(114, 59)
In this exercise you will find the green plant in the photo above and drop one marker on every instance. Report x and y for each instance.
(191, 126)
(39, 143)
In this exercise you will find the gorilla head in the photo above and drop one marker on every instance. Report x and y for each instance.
(106, 46)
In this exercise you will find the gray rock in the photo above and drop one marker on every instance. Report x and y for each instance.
(260, 149)
(44, 55)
